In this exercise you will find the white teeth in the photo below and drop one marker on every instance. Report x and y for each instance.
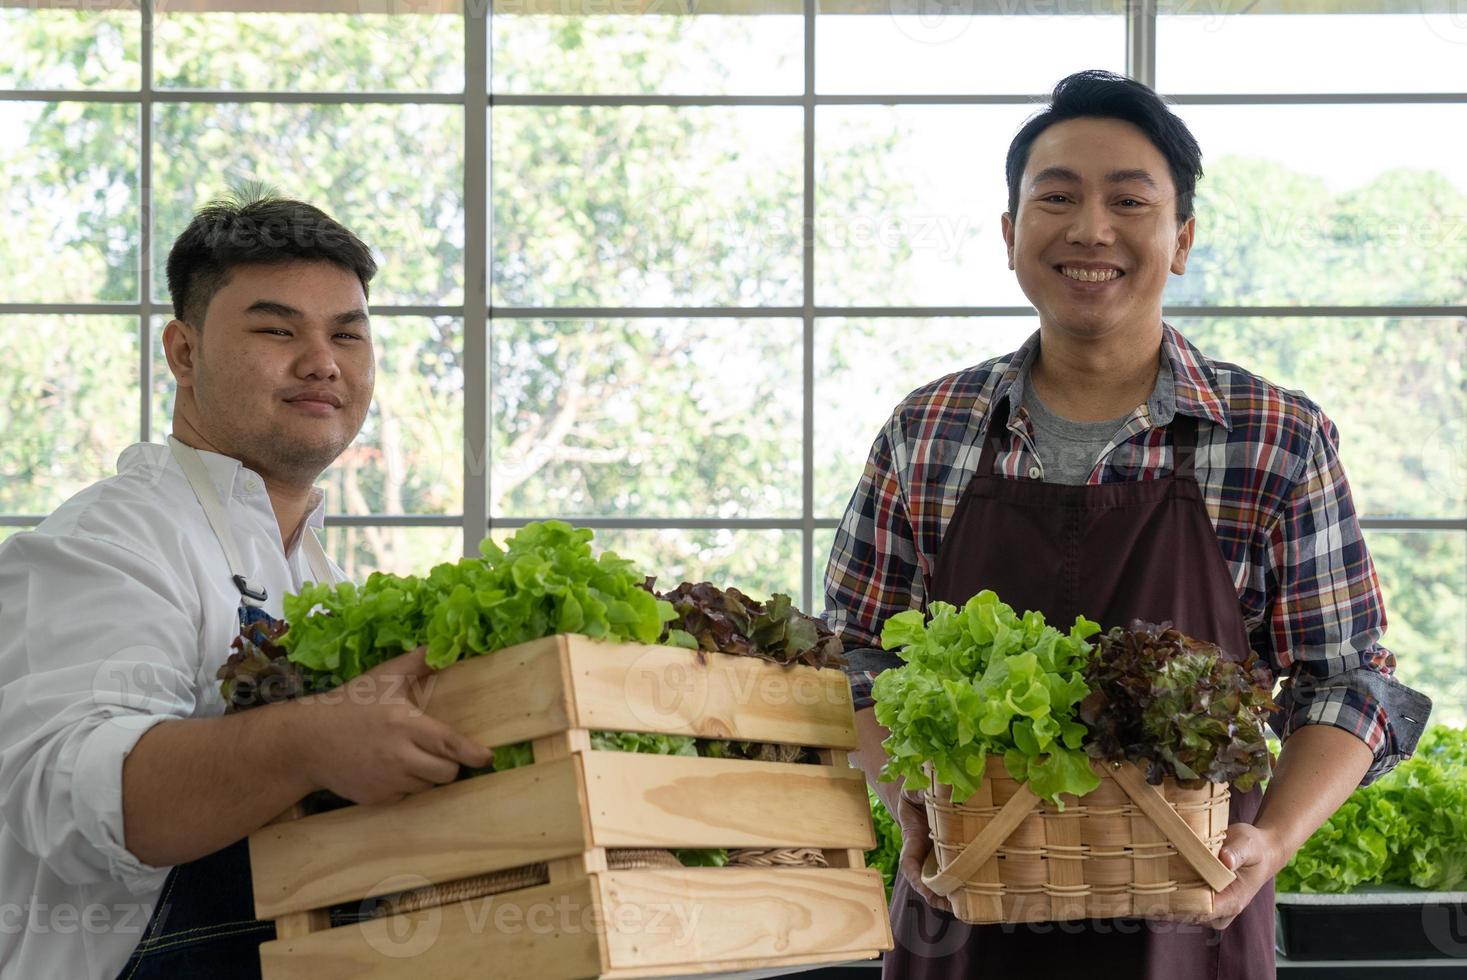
(1091, 275)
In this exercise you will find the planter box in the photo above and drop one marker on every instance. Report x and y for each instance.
(570, 806)
(1378, 923)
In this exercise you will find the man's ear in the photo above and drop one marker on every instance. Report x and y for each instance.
(1184, 245)
(1007, 224)
(181, 345)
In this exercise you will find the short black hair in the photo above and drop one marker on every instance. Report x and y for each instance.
(1108, 95)
(236, 232)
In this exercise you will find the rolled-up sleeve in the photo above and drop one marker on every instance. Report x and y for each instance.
(873, 572)
(1327, 617)
(95, 649)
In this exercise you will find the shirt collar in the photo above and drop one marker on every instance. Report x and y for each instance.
(1193, 390)
(225, 472)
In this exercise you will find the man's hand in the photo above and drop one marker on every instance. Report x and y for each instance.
(1255, 856)
(370, 742)
(916, 845)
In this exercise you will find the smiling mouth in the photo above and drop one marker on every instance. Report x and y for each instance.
(1089, 275)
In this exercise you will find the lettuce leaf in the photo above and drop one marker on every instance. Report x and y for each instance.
(1408, 828)
(982, 681)
(544, 581)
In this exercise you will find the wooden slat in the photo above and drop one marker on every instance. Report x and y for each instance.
(854, 857)
(299, 923)
(682, 801)
(545, 933)
(743, 969)
(512, 695)
(500, 820)
(624, 687)
(716, 918)
(570, 745)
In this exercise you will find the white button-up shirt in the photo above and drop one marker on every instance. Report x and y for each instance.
(115, 615)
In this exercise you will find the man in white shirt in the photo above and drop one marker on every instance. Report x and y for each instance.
(125, 792)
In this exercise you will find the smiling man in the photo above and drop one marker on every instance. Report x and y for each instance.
(125, 791)
(1109, 468)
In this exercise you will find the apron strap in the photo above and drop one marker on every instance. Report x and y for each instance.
(1183, 429)
(198, 478)
(316, 557)
(998, 423)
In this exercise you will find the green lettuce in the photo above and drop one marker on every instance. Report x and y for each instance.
(544, 581)
(1409, 827)
(981, 680)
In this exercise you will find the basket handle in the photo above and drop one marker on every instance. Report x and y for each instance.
(1151, 801)
(1146, 796)
(980, 848)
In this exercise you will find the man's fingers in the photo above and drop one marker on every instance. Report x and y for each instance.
(433, 769)
(443, 741)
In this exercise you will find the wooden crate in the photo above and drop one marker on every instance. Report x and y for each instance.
(573, 804)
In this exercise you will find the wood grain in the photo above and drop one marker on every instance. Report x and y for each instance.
(544, 933)
(488, 823)
(624, 687)
(682, 801)
(723, 916)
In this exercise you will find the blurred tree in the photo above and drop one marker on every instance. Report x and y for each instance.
(650, 206)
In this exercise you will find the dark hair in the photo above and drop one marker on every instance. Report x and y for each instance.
(230, 233)
(1111, 96)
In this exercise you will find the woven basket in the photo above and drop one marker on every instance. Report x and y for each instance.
(1125, 849)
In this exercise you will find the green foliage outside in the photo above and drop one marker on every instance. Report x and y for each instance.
(650, 205)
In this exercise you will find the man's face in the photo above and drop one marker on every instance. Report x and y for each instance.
(279, 345)
(1096, 202)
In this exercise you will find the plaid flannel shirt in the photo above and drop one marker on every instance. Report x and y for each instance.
(1268, 467)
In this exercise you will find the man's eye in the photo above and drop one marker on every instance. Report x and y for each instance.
(280, 330)
(353, 336)
(1131, 200)
(1051, 197)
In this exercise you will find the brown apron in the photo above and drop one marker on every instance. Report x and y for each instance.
(1112, 552)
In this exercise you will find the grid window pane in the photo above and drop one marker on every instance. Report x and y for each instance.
(1328, 205)
(92, 48)
(757, 563)
(1199, 48)
(685, 418)
(69, 400)
(1395, 389)
(865, 367)
(904, 48)
(411, 49)
(646, 54)
(1421, 576)
(360, 551)
(393, 174)
(646, 206)
(908, 200)
(408, 457)
(69, 202)
(824, 539)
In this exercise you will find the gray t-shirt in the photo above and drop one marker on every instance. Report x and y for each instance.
(1068, 450)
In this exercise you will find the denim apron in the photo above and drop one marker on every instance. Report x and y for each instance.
(1115, 552)
(204, 925)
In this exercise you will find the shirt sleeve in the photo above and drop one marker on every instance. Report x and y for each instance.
(1327, 617)
(96, 647)
(873, 572)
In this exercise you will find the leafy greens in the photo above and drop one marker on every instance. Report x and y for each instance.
(981, 680)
